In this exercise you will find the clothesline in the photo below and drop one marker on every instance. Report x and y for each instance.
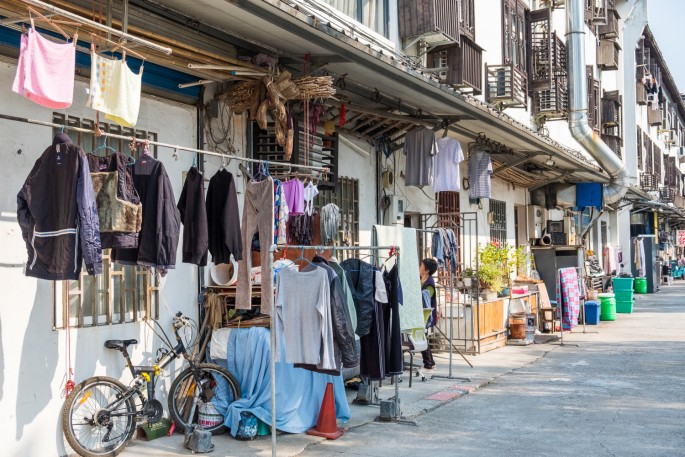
(158, 143)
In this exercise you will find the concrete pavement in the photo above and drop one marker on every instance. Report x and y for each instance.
(618, 392)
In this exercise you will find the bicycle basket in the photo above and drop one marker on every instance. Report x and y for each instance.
(208, 416)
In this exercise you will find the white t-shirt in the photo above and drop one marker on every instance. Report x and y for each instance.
(446, 175)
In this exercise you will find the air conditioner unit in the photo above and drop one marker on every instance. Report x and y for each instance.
(534, 221)
(394, 214)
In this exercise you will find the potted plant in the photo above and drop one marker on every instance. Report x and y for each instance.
(467, 276)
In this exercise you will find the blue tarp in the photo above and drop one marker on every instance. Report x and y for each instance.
(299, 392)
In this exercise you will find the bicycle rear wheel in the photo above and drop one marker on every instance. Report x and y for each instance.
(92, 426)
(202, 398)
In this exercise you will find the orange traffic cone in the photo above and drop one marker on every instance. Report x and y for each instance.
(326, 424)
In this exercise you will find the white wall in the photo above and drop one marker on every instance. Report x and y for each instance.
(33, 357)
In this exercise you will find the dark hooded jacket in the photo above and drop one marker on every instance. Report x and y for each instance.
(159, 233)
(57, 214)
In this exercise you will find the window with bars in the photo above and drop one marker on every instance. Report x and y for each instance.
(89, 142)
(122, 293)
(514, 34)
(346, 196)
(498, 227)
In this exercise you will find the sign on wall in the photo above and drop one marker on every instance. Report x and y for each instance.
(680, 238)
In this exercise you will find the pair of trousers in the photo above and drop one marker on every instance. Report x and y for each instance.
(427, 356)
(258, 217)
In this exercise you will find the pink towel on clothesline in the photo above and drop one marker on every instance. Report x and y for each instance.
(45, 71)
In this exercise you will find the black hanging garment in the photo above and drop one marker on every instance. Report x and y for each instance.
(193, 210)
(57, 214)
(159, 233)
(394, 362)
(119, 209)
(223, 219)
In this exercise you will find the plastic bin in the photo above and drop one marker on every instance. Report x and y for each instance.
(592, 312)
(625, 307)
(622, 283)
(640, 285)
(624, 295)
(607, 303)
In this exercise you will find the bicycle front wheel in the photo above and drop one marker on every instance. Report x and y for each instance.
(201, 396)
(96, 418)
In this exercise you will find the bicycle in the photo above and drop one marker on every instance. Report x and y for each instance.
(99, 416)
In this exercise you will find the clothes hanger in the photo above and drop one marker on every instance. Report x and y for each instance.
(49, 21)
(302, 257)
(118, 45)
(104, 145)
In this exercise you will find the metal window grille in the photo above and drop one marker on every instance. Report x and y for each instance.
(121, 293)
(448, 205)
(639, 148)
(346, 196)
(498, 228)
(88, 141)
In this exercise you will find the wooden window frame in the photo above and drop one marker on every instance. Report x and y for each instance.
(515, 39)
(138, 289)
(467, 18)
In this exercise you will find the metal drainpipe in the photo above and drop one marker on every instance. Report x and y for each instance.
(578, 109)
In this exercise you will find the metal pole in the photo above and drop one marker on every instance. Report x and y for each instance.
(104, 28)
(157, 143)
(451, 319)
(272, 331)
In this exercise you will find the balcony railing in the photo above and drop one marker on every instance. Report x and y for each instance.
(429, 17)
(506, 85)
(667, 194)
(461, 65)
(649, 181)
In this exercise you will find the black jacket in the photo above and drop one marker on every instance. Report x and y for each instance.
(158, 238)
(223, 219)
(57, 214)
(119, 209)
(191, 204)
(360, 277)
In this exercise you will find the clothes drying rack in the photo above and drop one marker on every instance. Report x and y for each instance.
(560, 306)
(272, 327)
(451, 270)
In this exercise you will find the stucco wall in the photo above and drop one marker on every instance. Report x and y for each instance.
(33, 357)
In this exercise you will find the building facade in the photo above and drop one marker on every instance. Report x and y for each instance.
(494, 73)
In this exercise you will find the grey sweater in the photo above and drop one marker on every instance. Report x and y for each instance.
(303, 317)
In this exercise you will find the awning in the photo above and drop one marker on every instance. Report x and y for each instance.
(296, 31)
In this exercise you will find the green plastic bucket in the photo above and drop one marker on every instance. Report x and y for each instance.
(624, 306)
(607, 305)
(640, 285)
(623, 295)
(622, 283)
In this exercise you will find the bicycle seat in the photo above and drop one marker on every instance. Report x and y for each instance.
(119, 344)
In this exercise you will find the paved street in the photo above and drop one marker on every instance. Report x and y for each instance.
(619, 392)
